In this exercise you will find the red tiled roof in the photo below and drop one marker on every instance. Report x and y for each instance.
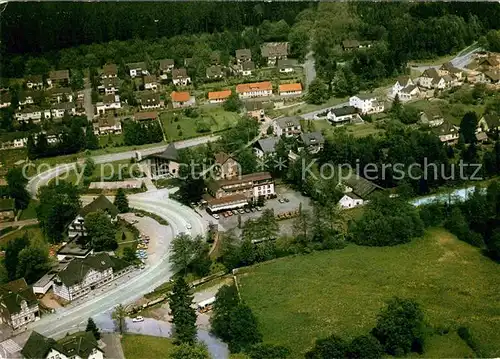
(255, 86)
(180, 96)
(291, 87)
(216, 95)
(146, 115)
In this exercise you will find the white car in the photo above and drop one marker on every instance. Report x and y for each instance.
(188, 225)
(216, 216)
(137, 319)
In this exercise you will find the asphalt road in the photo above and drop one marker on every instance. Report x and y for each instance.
(87, 100)
(309, 68)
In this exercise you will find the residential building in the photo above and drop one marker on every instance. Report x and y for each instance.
(447, 132)
(312, 141)
(180, 77)
(33, 114)
(162, 164)
(137, 69)
(273, 51)
(257, 109)
(77, 226)
(243, 55)
(80, 345)
(34, 82)
(215, 58)
(358, 190)
(367, 104)
(150, 83)
(81, 276)
(350, 200)
(44, 284)
(59, 94)
(109, 71)
(285, 66)
(256, 89)
(59, 109)
(247, 68)
(226, 166)
(110, 85)
(60, 78)
(7, 209)
(287, 126)
(488, 123)
(27, 97)
(238, 192)
(490, 62)
(481, 137)
(401, 83)
(106, 124)
(166, 66)
(19, 141)
(146, 116)
(290, 89)
(349, 45)
(449, 69)
(346, 114)
(214, 72)
(109, 102)
(182, 99)
(492, 76)
(431, 118)
(430, 78)
(474, 77)
(5, 99)
(218, 96)
(150, 101)
(410, 92)
(18, 304)
(265, 147)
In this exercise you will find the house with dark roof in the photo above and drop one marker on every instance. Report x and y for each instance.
(285, 66)
(180, 77)
(150, 100)
(410, 92)
(34, 82)
(273, 51)
(243, 55)
(226, 166)
(18, 304)
(163, 164)
(101, 203)
(83, 275)
(214, 72)
(80, 345)
(166, 66)
(109, 71)
(357, 191)
(447, 132)
(7, 209)
(288, 126)
(137, 69)
(349, 45)
(150, 82)
(59, 77)
(340, 115)
(487, 123)
(247, 68)
(265, 146)
(313, 141)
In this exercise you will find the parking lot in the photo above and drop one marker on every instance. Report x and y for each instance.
(287, 200)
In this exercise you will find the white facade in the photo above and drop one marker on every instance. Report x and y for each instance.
(367, 105)
(266, 190)
(55, 354)
(151, 86)
(150, 106)
(409, 93)
(246, 72)
(138, 72)
(291, 93)
(17, 143)
(288, 131)
(35, 115)
(183, 81)
(348, 201)
(255, 93)
(286, 70)
(103, 107)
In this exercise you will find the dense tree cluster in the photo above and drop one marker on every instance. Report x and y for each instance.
(137, 133)
(190, 255)
(101, 232)
(16, 188)
(183, 314)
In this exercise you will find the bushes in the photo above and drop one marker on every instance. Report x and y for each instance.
(466, 336)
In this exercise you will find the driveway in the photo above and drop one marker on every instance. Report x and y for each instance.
(87, 100)
(309, 68)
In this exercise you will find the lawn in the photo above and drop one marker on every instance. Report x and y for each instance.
(30, 212)
(312, 296)
(452, 112)
(122, 244)
(360, 130)
(178, 126)
(34, 233)
(145, 346)
(115, 139)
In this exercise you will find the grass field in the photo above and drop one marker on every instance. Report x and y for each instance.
(185, 127)
(34, 233)
(115, 139)
(450, 112)
(325, 127)
(30, 212)
(129, 237)
(145, 346)
(312, 296)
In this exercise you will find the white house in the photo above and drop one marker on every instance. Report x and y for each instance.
(180, 77)
(150, 83)
(410, 92)
(265, 146)
(32, 114)
(447, 132)
(107, 124)
(350, 200)
(110, 85)
(137, 69)
(109, 102)
(18, 304)
(58, 110)
(287, 126)
(247, 68)
(8, 144)
(290, 89)
(34, 82)
(343, 115)
(367, 104)
(285, 66)
(256, 89)
(401, 83)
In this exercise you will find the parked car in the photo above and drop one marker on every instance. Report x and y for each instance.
(216, 216)
(137, 319)
(281, 200)
(259, 209)
(241, 211)
(235, 212)
(286, 200)
(247, 210)
(252, 209)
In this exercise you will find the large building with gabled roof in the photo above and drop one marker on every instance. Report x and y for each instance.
(77, 227)
(162, 164)
(18, 304)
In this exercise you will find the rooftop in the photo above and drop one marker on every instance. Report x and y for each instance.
(243, 54)
(344, 111)
(248, 66)
(216, 95)
(350, 43)
(102, 203)
(139, 116)
(110, 69)
(137, 65)
(312, 138)
(290, 87)
(255, 86)
(268, 145)
(288, 122)
(170, 153)
(180, 96)
(59, 75)
(273, 49)
(179, 73)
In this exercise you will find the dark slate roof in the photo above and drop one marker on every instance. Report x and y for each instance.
(445, 129)
(76, 270)
(166, 63)
(243, 54)
(493, 121)
(37, 346)
(213, 71)
(409, 88)
(79, 344)
(101, 203)
(137, 65)
(179, 73)
(288, 122)
(350, 43)
(267, 145)
(149, 98)
(14, 293)
(403, 80)
(170, 153)
(361, 186)
(343, 111)
(248, 66)
(284, 64)
(432, 73)
(312, 138)
(271, 49)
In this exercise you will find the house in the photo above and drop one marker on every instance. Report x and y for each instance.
(182, 99)
(150, 100)
(237, 192)
(146, 116)
(481, 137)
(344, 114)
(33, 114)
(166, 66)
(401, 83)
(257, 109)
(489, 63)
(109, 102)
(80, 345)
(106, 124)
(430, 78)
(137, 69)
(265, 146)
(73, 248)
(215, 58)
(273, 51)
(290, 89)
(285, 66)
(256, 89)
(77, 226)
(431, 118)
(287, 126)
(7, 209)
(45, 283)
(5, 99)
(488, 123)
(10, 141)
(226, 166)
(360, 186)
(449, 69)
(367, 104)
(18, 304)
(180, 77)
(110, 85)
(349, 45)
(60, 78)
(474, 77)
(247, 68)
(109, 71)
(313, 141)
(83, 275)
(27, 97)
(150, 83)
(350, 200)
(447, 132)
(59, 94)
(492, 77)
(34, 82)
(218, 96)
(410, 92)
(243, 55)
(60, 109)
(214, 72)
(163, 164)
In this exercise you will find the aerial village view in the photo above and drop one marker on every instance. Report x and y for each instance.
(249, 180)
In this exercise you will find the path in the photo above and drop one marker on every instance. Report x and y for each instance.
(309, 68)
(26, 222)
(87, 100)
(113, 347)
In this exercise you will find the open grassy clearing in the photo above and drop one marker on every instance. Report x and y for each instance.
(115, 139)
(129, 241)
(315, 295)
(145, 346)
(30, 212)
(359, 130)
(450, 112)
(34, 233)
